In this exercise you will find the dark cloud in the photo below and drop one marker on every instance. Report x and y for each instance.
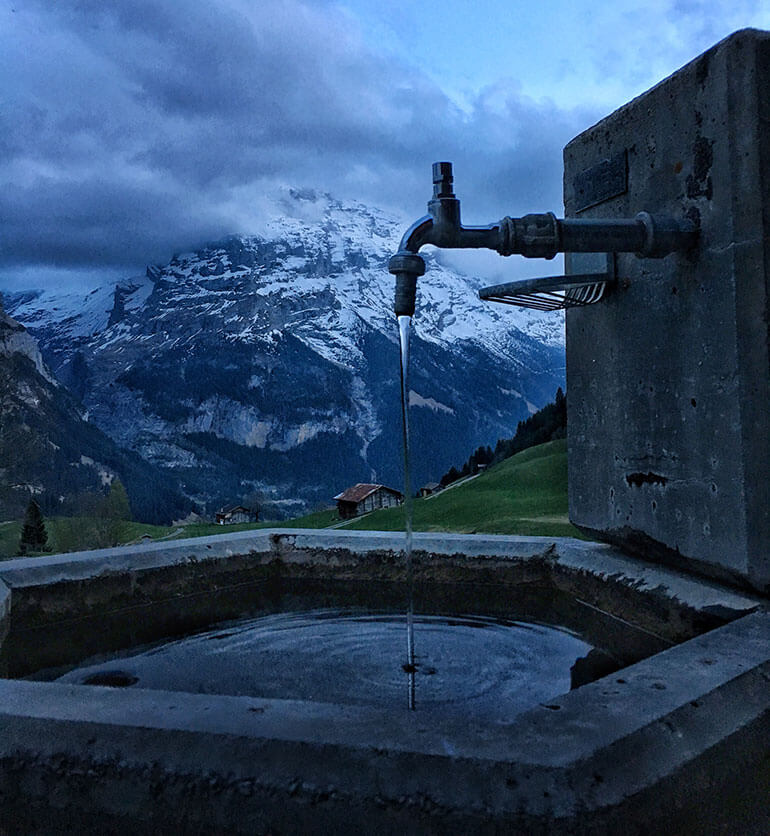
(129, 130)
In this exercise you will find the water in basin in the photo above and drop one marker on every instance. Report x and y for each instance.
(469, 665)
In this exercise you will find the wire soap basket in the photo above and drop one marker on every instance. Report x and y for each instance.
(553, 293)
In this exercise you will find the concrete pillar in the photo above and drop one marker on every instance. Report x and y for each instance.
(669, 376)
(5, 623)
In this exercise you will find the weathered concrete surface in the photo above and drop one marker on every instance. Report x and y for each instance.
(67, 608)
(298, 546)
(668, 379)
(658, 741)
(675, 743)
(5, 618)
(138, 594)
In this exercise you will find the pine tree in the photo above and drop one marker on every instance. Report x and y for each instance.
(561, 410)
(117, 505)
(452, 475)
(33, 534)
(547, 424)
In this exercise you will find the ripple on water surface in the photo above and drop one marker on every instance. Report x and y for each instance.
(468, 665)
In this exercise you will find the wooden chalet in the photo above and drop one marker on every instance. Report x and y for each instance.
(236, 514)
(429, 488)
(362, 498)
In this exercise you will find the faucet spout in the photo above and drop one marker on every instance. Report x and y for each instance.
(406, 267)
(419, 233)
(441, 227)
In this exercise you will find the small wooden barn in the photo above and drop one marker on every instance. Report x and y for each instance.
(429, 488)
(362, 498)
(236, 514)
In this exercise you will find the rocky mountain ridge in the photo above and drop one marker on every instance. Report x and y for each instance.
(49, 452)
(270, 363)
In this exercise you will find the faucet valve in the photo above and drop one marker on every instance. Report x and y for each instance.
(442, 180)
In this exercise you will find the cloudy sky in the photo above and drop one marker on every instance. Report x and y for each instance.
(133, 129)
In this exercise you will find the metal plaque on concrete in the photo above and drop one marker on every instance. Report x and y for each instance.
(601, 182)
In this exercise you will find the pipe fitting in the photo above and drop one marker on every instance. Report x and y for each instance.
(664, 235)
(533, 236)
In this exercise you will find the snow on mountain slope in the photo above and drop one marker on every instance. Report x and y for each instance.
(78, 314)
(270, 362)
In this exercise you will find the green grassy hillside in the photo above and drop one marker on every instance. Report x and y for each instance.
(67, 534)
(318, 519)
(525, 494)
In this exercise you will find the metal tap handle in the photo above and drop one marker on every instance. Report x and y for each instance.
(443, 180)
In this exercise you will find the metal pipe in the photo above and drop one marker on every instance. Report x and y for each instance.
(601, 236)
(533, 236)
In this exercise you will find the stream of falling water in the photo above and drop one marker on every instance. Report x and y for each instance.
(404, 328)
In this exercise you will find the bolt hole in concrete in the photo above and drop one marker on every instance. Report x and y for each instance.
(112, 679)
(636, 480)
(469, 665)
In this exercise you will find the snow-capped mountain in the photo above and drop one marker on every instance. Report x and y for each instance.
(270, 362)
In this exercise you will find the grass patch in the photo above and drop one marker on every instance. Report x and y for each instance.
(206, 529)
(71, 534)
(9, 538)
(318, 519)
(130, 532)
(525, 494)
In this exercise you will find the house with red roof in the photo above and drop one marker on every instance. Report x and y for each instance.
(363, 497)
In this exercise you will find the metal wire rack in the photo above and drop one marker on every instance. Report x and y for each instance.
(553, 293)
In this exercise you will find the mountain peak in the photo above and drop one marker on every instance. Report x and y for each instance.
(15, 339)
(270, 361)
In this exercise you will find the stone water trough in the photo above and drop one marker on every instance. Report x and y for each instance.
(675, 739)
